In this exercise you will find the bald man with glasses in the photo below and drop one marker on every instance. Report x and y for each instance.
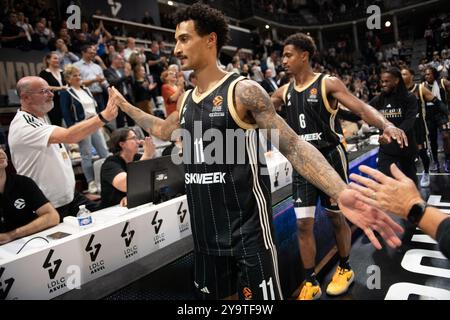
(37, 148)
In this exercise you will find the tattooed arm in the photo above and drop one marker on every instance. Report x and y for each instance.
(277, 97)
(310, 163)
(305, 158)
(158, 127)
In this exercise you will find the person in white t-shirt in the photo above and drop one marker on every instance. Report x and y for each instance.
(78, 104)
(37, 148)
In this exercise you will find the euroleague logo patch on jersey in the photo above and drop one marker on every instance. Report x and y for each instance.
(248, 295)
(217, 107)
(218, 101)
(313, 95)
(19, 204)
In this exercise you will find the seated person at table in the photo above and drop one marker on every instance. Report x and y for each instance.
(24, 209)
(124, 145)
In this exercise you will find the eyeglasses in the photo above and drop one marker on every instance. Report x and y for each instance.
(42, 91)
(133, 138)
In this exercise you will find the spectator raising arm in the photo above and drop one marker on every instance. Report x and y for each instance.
(79, 131)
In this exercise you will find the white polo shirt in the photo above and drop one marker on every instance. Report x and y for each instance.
(48, 165)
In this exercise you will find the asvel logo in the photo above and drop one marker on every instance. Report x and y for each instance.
(181, 213)
(115, 7)
(57, 284)
(8, 285)
(286, 169)
(47, 265)
(159, 237)
(184, 226)
(128, 237)
(19, 204)
(156, 223)
(93, 251)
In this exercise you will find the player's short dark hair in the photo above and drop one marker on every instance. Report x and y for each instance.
(302, 42)
(206, 21)
(410, 70)
(401, 91)
(434, 72)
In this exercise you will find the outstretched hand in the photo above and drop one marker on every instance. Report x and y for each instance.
(119, 98)
(369, 219)
(111, 111)
(396, 195)
(393, 133)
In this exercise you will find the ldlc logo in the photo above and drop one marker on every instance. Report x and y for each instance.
(93, 251)
(157, 223)
(52, 272)
(182, 213)
(128, 237)
(8, 285)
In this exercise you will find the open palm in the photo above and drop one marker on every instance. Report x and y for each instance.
(369, 219)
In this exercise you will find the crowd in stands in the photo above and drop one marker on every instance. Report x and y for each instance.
(437, 35)
(79, 66)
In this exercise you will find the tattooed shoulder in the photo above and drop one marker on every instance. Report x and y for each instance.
(252, 96)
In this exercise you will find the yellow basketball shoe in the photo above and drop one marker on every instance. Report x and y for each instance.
(310, 292)
(342, 279)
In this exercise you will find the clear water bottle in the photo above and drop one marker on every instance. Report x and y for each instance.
(84, 217)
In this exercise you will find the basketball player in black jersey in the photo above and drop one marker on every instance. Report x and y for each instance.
(229, 204)
(438, 119)
(427, 103)
(311, 105)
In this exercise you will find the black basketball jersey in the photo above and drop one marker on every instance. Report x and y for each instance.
(228, 194)
(310, 114)
(433, 111)
(421, 111)
(444, 96)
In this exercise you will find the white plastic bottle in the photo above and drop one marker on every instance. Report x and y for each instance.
(84, 217)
